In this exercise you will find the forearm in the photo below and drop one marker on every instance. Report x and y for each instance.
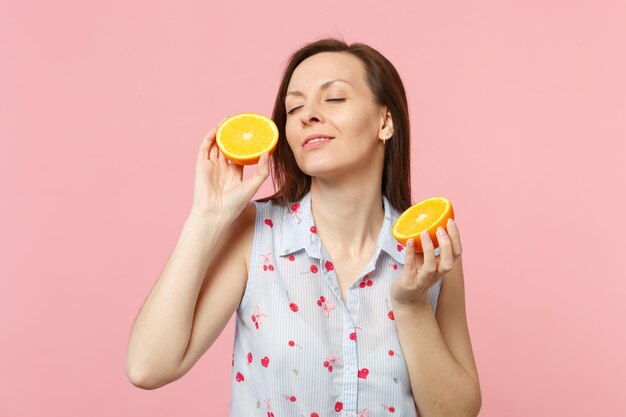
(163, 326)
(441, 387)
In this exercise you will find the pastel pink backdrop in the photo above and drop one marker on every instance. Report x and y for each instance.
(518, 112)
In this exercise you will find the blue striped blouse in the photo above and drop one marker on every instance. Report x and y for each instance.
(299, 350)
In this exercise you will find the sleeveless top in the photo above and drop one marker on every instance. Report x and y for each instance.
(299, 350)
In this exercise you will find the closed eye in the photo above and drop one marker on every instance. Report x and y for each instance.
(330, 99)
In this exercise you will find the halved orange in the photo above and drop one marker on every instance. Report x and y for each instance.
(244, 137)
(427, 215)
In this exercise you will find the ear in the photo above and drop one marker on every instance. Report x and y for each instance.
(385, 120)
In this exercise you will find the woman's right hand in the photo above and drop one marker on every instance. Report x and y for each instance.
(219, 189)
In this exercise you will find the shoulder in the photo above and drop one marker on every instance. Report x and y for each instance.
(254, 217)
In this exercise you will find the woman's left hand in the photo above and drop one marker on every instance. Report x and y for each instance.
(422, 270)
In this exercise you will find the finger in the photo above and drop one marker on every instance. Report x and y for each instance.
(253, 183)
(409, 254)
(446, 258)
(236, 169)
(213, 149)
(430, 264)
(206, 144)
(455, 237)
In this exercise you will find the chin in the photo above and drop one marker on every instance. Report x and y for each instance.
(327, 170)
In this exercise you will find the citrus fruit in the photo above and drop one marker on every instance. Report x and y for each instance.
(426, 215)
(244, 137)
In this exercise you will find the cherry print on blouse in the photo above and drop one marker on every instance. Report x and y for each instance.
(362, 413)
(292, 306)
(257, 317)
(325, 306)
(294, 210)
(249, 357)
(239, 377)
(363, 373)
(393, 353)
(291, 398)
(353, 334)
(314, 414)
(400, 247)
(390, 408)
(365, 281)
(312, 269)
(270, 413)
(267, 261)
(329, 266)
(338, 406)
(269, 222)
(265, 361)
(390, 314)
(291, 258)
(330, 361)
(292, 344)
(393, 265)
(313, 235)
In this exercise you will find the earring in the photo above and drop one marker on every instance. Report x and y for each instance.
(387, 135)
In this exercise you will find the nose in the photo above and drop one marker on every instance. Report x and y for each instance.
(310, 114)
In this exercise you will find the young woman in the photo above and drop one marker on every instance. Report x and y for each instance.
(334, 317)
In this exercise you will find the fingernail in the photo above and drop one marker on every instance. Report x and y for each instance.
(440, 232)
(425, 235)
(450, 221)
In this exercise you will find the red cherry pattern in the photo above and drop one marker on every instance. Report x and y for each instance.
(329, 266)
(269, 222)
(292, 344)
(239, 377)
(400, 248)
(338, 406)
(390, 314)
(365, 282)
(292, 306)
(329, 362)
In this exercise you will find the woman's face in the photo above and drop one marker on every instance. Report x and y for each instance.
(344, 110)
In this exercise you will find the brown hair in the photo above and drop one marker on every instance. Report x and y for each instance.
(388, 90)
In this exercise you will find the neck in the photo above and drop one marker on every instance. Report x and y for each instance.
(348, 219)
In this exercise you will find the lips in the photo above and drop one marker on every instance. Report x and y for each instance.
(315, 136)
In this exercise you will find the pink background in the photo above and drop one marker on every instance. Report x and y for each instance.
(518, 111)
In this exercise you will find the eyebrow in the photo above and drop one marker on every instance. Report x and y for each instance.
(322, 87)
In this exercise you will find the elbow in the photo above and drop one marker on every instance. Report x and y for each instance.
(477, 402)
(137, 378)
(144, 380)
